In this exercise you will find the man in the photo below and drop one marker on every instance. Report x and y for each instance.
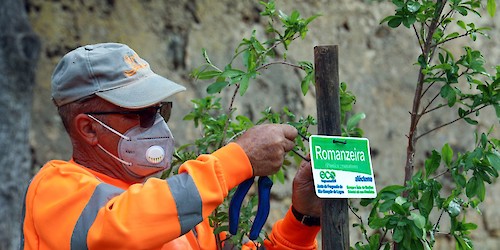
(105, 198)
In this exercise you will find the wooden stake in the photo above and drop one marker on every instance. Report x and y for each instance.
(334, 218)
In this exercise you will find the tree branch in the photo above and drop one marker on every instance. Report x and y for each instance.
(448, 123)
(280, 62)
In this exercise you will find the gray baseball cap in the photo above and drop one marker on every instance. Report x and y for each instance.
(113, 72)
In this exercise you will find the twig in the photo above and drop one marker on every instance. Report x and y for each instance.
(279, 62)
(440, 174)
(229, 110)
(301, 156)
(448, 123)
(362, 223)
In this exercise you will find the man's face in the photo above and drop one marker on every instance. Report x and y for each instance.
(110, 124)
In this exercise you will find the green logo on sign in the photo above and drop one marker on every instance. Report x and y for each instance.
(327, 175)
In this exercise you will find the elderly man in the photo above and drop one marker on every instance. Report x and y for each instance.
(105, 197)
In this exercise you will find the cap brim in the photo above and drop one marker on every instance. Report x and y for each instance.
(146, 92)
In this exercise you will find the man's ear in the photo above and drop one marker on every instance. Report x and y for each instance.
(85, 129)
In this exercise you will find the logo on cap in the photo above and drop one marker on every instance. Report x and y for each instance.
(134, 62)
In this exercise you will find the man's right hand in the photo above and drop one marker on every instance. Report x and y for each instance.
(266, 146)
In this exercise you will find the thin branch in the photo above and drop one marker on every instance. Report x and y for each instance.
(437, 222)
(425, 111)
(418, 38)
(448, 123)
(300, 155)
(280, 42)
(435, 108)
(440, 174)
(362, 223)
(280, 62)
(430, 85)
(453, 38)
(229, 110)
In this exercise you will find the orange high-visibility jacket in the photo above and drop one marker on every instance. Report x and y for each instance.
(69, 206)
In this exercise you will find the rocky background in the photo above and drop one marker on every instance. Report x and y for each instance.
(375, 61)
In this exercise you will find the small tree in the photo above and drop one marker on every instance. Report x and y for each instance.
(401, 213)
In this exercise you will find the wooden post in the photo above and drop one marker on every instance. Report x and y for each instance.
(334, 218)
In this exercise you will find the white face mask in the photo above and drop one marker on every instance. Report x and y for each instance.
(143, 151)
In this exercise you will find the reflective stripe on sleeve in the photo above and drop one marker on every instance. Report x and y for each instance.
(187, 200)
(102, 194)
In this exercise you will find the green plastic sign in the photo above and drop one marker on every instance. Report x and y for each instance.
(342, 167)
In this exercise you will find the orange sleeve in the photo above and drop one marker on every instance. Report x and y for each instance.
(150, 214)
(290, 234)
(144, 216)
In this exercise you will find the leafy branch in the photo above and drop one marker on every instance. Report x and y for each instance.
(403, 210)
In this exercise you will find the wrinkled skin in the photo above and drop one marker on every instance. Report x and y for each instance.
(266, 146)
(304, 198)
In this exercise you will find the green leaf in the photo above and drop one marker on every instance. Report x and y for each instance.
(418, 219)
(216, 87)
(395, 21)
(221, 229)
(494, 160)
(471, 187)
(398, 209)
(461, 24)
(244, 83)
(209, 74)
(354, 120)
(469, 226)
(412, 6)
(447, 153)
(449, 94)
(374, 241)
(452, 35)
(426, 202)
(231, 73)
(432, 163)
(481, 190)
(470, 121)
(280, 175)
(491, 7)
(376, 223)
(398, 234)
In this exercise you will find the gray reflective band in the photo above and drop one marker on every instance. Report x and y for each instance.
(102, 194)
(187, 199)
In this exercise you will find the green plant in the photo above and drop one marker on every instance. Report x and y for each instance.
(400, 214)
(219, 125)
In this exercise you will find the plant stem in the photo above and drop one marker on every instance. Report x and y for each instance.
(415, 116)
(280, 62)
(229, 111)
(448, 123)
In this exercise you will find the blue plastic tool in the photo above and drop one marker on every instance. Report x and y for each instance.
(264, 189)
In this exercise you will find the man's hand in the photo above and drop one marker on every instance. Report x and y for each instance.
(266, 146)
(304, 198)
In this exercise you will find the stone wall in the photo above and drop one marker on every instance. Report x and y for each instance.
(375, 61)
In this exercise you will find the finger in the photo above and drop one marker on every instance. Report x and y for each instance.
(306, 170)
(288, 145)
(289, 132)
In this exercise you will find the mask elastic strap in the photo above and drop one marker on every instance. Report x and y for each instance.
(109, 128)
(114, 157)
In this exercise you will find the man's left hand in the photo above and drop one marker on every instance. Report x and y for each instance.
(304, 198)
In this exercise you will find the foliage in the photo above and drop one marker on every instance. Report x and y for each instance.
(400, 216)
(219, 125)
